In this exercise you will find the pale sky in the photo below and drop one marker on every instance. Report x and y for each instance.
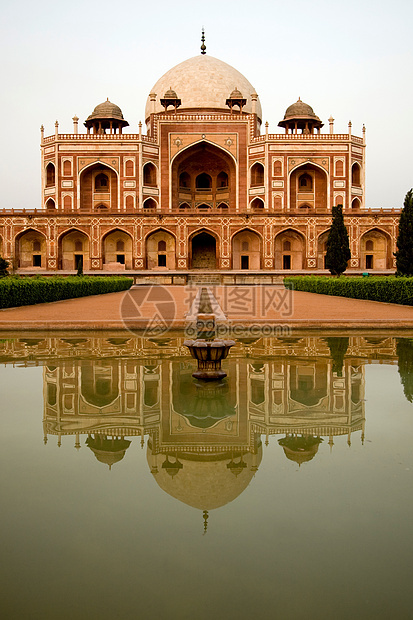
(351, 60)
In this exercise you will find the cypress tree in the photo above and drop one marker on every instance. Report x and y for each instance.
(338, 349)
(80, 266)
(338, 247)
(404, 349)
(404, 254)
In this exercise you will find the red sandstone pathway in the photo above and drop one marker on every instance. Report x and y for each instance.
(243, 305)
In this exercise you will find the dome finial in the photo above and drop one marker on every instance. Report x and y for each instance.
(205, 515)
(203, 46)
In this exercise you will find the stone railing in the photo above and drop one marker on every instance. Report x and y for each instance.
(330, 137)
(212, 210)
(204, 117)
(92, 136)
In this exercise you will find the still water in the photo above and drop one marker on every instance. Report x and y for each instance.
(129, 490)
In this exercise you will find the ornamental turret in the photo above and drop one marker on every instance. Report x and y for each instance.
(106, 118)
(300, 118)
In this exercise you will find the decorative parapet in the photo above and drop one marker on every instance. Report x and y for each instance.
(320, 137)
(199, 118)
(84, 137)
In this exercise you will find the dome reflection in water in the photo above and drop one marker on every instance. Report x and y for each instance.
(281, 462)
(204, 438)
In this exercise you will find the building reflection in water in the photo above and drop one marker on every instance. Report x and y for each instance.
(204, 441)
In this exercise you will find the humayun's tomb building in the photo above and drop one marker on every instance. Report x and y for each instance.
(203, 189)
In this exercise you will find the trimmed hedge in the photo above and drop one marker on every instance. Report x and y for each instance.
(375, 288)
(17, 291)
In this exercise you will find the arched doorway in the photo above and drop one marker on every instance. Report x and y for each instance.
(308, 383)
(160, 250)
(289, 250)
(203, 251)
(99, 383)
(203, 174)
(375, 250)
(117, 250)
(98, 186)
(246, 250)
(356, 175)
(257, 205)
(74, 251)
(31, 250)
(149, 175)
(308, 188)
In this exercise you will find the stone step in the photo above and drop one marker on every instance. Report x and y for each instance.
(204, 278)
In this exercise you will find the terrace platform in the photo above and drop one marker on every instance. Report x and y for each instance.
(166, 307)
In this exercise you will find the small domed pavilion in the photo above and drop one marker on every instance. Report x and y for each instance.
(106, 117)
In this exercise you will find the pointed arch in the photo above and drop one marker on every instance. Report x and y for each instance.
(257, 204)
(356, 174)
(73, 249)
(305, 182)
(257, 174)
(201, 142)
(117, 249)
(129, 202)
(315, 194)
(150, 204)
(203, 172)
(150, 174)
(222, 179)
(129, 168)
(160, 245)
(246, 249)
(67, 167)
(99, 184)
(293, 258)
(184, 181)
(67, 202)
(203, 181)
(50, 175)
(375, 249)
(99, 383)
(30, 249)
(203, 249)
(339, 168)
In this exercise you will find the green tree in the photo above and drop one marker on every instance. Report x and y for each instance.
(338, 247)
(404, 349)
(4, 265)
(338, 348)
(80, 266)
(404, 254)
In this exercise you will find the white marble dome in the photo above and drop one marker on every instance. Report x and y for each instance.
(203, 82)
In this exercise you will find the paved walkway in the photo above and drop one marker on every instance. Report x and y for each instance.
(145, 306)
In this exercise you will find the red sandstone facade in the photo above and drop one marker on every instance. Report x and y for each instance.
(203, 190)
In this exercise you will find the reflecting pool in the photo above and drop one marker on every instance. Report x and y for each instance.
(132, 490)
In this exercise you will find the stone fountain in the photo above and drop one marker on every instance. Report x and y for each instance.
(209, 355)
(207, 350)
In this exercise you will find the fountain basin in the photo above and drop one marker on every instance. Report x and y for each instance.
(209, 355)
